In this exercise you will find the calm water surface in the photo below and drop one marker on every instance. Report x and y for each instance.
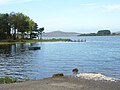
(98, 54)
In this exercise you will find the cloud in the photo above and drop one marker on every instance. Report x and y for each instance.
(88, 4)
(102, 7)
(13, 1)
(113, 7)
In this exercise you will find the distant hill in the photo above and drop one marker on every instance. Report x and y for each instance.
(59, 34)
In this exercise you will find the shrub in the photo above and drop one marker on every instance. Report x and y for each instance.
(6, 79)
(75, 70)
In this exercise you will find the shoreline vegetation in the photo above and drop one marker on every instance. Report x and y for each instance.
(7, 80)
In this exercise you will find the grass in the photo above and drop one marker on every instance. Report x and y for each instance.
(46, 40)
(7, 80)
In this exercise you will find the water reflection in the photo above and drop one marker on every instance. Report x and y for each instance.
(15, 60)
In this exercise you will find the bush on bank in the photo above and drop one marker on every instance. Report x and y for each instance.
(6, 80)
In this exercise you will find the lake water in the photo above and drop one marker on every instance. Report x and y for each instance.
(97, 55)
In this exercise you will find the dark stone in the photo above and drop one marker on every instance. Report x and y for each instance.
(58, 75)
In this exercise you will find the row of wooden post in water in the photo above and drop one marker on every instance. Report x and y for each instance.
(79, 40)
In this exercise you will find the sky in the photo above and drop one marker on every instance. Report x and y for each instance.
(83, 16)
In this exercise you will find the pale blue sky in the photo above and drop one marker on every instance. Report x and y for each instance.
(82, 16)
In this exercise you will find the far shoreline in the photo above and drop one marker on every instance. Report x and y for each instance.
(9, 42)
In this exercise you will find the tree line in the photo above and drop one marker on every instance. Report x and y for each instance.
(11, 24)
(99, 33)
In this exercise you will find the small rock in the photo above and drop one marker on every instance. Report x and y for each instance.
(58, 75)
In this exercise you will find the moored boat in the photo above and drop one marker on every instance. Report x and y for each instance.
(34, 48)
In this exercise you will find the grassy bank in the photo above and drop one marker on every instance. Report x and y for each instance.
(33, 40)
(47, 40)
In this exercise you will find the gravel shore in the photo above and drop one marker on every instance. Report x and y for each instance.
(63, 83)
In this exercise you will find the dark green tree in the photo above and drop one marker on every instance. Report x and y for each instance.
(40, 31)
(23, 25)
(4, 26)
